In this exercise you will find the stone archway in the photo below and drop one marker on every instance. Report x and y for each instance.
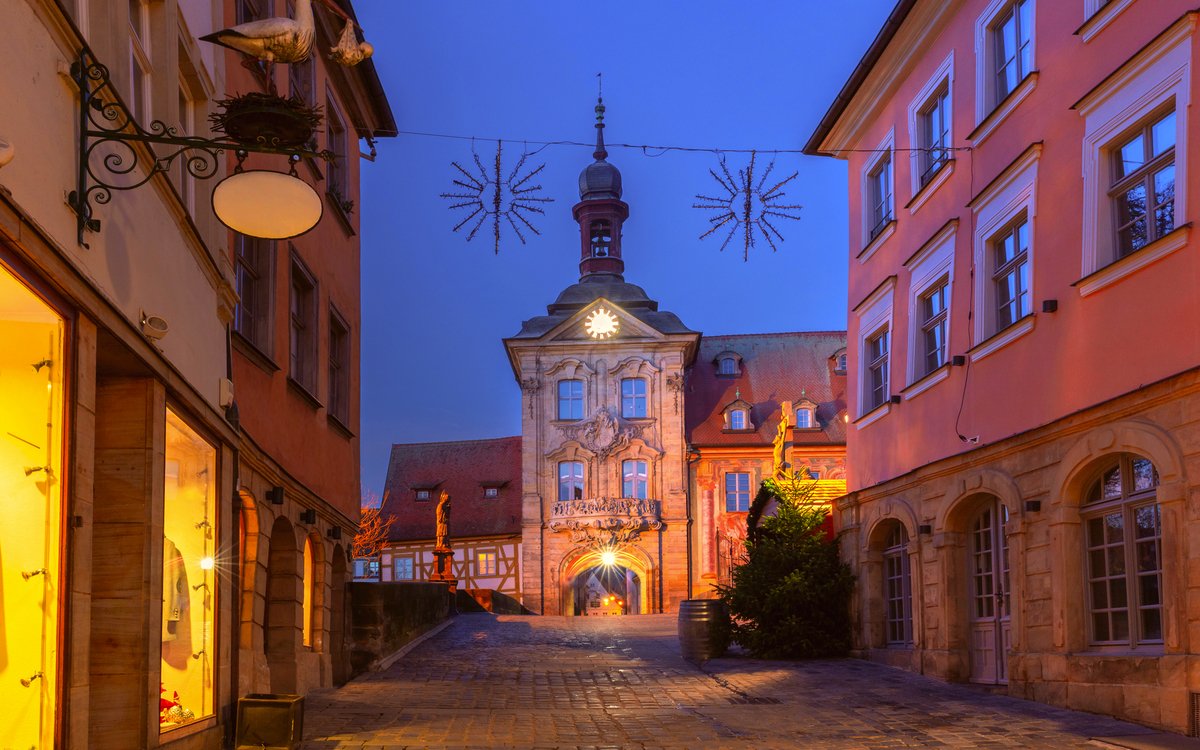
(627, 557)
(282, 630)
(338, 625)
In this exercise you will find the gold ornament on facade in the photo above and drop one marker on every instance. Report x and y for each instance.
(602, 324)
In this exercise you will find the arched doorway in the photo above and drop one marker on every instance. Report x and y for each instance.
(339, 653)
(989, 614)
(606, 582)
(282, 622)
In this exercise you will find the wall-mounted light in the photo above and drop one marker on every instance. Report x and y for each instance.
(271, 205)
(309, 517)
(335, 532)
(275, 495)
(154, 326)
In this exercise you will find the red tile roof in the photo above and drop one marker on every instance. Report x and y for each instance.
(461, 468)
(776, 367)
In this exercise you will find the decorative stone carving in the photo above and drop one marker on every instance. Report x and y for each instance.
(675, 385)
(602, 433)
(605, 521)
(530, 387)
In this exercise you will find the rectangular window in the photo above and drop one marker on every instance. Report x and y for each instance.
(189, 573)
(1010, 44)
(804, 418)
(186, 125)
(250, 10)
(570, 480)
(252, 318)
(896, 588)
(934, 122)
(737, 419)
(422, 496)
(1010, 278)
(303, 327)
(485, 564)
(491, 493)
(339, 368)
(633, 398)
(881, 195)
(877, 370)
(737, 493)
(634, 475)
(337, 181)
(402, 568)
(140, 69)
(302, 74)
(1144, 189)
(570, 399)
(934, 322)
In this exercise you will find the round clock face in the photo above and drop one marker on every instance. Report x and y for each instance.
(602, 324)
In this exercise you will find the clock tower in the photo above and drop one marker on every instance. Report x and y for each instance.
(604, 464)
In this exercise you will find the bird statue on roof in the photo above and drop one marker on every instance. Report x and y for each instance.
(283, 40)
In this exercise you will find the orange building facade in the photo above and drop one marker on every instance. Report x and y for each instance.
(295, 341)
(1023, 345)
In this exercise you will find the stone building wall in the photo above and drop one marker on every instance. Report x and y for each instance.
(1040, 479)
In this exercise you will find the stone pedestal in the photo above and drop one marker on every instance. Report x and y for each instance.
(443, 569)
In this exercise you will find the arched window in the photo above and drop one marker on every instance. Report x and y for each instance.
(309, 579)
(737, 419)
(728, 366)
(1123, 538)
(570, 399)
(897, 590)
(804, 418)
(601, 231)
(570, 480)
(634, 475)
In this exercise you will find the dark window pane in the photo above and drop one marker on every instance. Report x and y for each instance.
(1144, 476)
(1116, 593)
(1120, 626)
(1100, 624)
(1099, 595)
(1095, 532)
(1116, 560)
(1097, 559)
(1148, 590)
(1145, 522)
(1147, 557)
(1152, 624)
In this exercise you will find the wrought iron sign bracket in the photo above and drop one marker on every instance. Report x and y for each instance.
(106, 123)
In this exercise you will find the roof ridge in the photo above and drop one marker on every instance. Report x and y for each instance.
(458, 442)
(778, 333)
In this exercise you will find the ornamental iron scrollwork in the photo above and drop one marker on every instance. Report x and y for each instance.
(106, 124)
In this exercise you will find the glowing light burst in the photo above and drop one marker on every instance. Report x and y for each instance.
(490, 194)
(608, 558)
(747, 205)
(602, 324)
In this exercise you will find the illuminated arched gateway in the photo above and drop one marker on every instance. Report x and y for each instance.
(604, 466)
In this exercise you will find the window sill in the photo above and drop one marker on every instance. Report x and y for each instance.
(731, 431)
(339, 427)
(807, 429)
(993, 119)
(1101, 18)
(256, 356)
(875, 244)
(342, 217)
(1134, 262)
(931, 187)
(879, 412)
(1003, 338)
(925, 382)
(566, 421)
(296, 387)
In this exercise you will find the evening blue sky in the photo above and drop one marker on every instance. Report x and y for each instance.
(699, 74)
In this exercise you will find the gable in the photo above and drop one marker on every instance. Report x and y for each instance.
(594, 322)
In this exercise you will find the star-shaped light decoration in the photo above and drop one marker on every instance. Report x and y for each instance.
(490, 194)
(746, 204)
(602, 324)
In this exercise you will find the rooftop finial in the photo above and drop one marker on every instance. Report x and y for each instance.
(600, 153)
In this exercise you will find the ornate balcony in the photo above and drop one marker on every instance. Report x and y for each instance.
(602, 521)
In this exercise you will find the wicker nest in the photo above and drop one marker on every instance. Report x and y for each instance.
(264, 120)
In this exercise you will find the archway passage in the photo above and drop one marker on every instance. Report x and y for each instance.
(282, 626)
(606, 582)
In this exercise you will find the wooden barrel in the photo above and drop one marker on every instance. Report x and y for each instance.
(697, 617)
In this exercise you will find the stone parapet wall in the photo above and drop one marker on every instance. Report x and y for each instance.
(387, 616)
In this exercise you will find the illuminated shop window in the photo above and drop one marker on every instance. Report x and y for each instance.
(308, 591)
(189, 576)
(31, 476)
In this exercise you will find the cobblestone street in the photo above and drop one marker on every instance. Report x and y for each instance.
(555, 682)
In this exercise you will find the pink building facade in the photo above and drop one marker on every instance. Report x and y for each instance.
(1023, 341)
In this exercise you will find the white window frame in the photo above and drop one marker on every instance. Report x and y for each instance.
(491, 493)
(423, 496)
(943, 76)
(644, 396)
(568, 481)
(899, 553)
(884, 151)
(187, 126)
(141, 55)
(727, 363)
(487, 564)
(926, 269)
(558, 399)
(412, 568)
(809, 415)
(875, 314)
(1014, 193)
(733, 414)
(1100, 14)
(639, 470)
(986, 102)
(737, 491)
(1160, 73)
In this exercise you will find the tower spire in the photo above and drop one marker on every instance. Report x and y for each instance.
(600, 211)
(600, 154)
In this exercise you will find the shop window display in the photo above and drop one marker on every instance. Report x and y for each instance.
(189, 576)
(31, 475)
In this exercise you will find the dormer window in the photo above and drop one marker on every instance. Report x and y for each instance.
(601, 231)
(806, 415)
(804, 418)
(422, 495)
(839, 362)
(728, 366)
(737, 419)
(491, 493)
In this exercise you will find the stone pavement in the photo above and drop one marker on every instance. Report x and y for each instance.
(620, 682)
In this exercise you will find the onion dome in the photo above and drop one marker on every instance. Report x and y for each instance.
(600, 179)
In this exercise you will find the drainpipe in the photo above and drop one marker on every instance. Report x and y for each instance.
(689, 451)
(231, 416)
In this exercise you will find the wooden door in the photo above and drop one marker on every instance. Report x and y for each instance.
(989, 622)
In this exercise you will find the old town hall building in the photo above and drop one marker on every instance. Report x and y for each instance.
(641, 444)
